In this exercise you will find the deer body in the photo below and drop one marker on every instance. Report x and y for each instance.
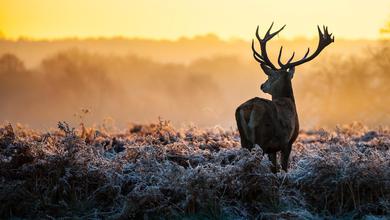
(273, 124)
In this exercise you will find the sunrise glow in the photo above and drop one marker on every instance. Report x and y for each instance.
(176, 18)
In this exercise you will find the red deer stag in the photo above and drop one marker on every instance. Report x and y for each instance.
(273, 124)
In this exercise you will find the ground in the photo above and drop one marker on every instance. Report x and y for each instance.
(155, 171)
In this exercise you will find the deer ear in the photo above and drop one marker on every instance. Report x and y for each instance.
(291, 72)
(267, 70)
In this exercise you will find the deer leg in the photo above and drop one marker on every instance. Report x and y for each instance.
(272, 158)
(245, 143)
(285, 156)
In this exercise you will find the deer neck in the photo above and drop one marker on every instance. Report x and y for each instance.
(285, 91)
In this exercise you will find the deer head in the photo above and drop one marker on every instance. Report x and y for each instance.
(279, 79)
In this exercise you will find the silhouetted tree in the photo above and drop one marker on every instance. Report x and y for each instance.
(385, 30)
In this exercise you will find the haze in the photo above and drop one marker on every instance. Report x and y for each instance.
(186, 61)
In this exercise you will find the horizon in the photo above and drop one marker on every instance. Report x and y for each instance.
(179, 38)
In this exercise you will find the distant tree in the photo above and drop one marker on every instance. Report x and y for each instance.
(385, 30)
(11, 64)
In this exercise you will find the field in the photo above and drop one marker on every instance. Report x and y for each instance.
(156, 171)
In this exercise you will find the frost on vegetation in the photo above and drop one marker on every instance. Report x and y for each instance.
(157, 171)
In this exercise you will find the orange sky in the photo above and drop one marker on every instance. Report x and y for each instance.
(175, 18)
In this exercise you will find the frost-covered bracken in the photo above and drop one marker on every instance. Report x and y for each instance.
(157, 171)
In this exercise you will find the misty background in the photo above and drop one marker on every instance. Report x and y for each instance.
(198, 81)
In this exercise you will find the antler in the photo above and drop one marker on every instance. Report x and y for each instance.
(263, 58)
(325, 40)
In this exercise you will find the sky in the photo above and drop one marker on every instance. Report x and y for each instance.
(172, 19)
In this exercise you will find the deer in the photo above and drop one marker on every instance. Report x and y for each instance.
(273, 124)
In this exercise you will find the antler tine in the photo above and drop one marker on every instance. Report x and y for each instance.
(256, 55)
(280, 56)
(268, 31)
(307, 53)
(263, 57)
(273, 34)
(319, 31)
(292, 57)
(324, 40)
(257, 34)
(259, 57)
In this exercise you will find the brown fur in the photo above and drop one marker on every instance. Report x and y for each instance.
(271, 124)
